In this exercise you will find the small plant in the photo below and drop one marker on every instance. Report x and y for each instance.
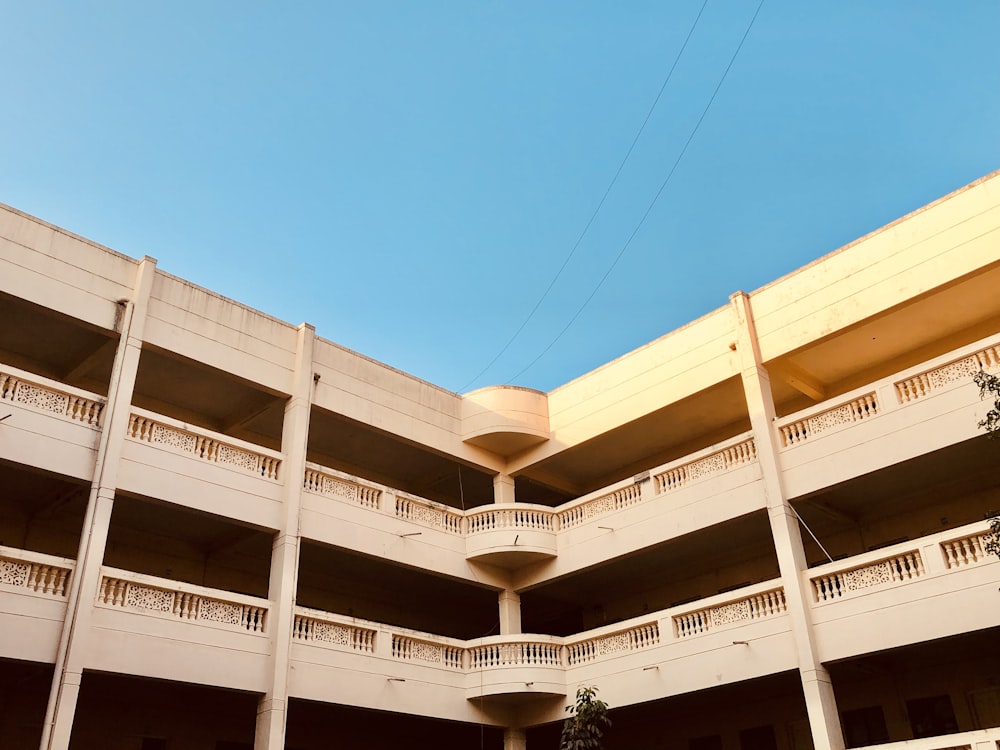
(993, 537)
(989, 385)
(588, 718)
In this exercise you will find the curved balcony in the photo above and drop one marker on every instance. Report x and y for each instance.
(505, 419)
(515, 665)
(511, 535)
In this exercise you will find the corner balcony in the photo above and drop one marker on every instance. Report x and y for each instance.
(156, 627)
(166, 459)
(511, 535)
(33, 590)
(47, 424)
(932, 587)
(726, 638)
(706, 487)
(905, 415)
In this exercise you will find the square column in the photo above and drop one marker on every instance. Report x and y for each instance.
(86, 577)
(503, 489)
(272, 711)
(510, 613)
(821, 704)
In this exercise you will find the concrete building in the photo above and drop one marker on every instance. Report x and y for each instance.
(220, 531)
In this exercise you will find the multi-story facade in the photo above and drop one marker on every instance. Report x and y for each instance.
(762, 530)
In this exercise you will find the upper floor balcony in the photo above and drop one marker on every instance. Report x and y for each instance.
(33, 590)
(926, 588)
(929, 588)
(167, 459)
(47, 424)
(55, 427)
(910, 413)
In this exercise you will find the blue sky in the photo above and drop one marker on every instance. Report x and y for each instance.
(410, 177)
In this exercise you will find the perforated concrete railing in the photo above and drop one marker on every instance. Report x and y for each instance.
(903, 566)
(960, 370)
(327, 631)
(742, 610)
(856, 410)
(599, 506)
(635, 638)
(30, 571)
(407, 648)
(740, 454)
(123, 590)
(428, 513)
(326, 483)
(37, 393)
(513, 516)
(155, 430)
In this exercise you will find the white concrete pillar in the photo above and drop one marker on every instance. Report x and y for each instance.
(510, 612)
(503, 488)
(824, 719)
(86, 577)
(514, 739)
(272, 710)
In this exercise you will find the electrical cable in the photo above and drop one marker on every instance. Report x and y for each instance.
(649, 209)
(597, 210)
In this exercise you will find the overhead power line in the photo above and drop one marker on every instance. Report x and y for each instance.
(652, 203)
(600, 204)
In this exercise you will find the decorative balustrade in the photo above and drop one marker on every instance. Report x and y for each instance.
(903, 566)
(957, 371)
(430, 514)
(36, 393)
(599, 506)
(155, 431)
(512, 516)
(856, 410)
(406, 648)
(968, 550)
(30, 571)
(740, 454)
(325, 483)
(746, 609)
(171, 599)
(624, 641)
(329, 632)
(525, 653)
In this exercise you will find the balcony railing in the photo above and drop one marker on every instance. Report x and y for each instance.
(899, 390)
(740, 453)
(958, 370)
(336, 485)
(655, 630)
(635, 638)
(744, 609)
(325, 629)
(901, 563)
(166, 433)
(162, 597)
(41, 394)
(35, 573)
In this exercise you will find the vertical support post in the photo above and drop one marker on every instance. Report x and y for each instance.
(68, 672)
(510, 612)
(503, 489)
(514, 739)
(272, 709)
(821, 703)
